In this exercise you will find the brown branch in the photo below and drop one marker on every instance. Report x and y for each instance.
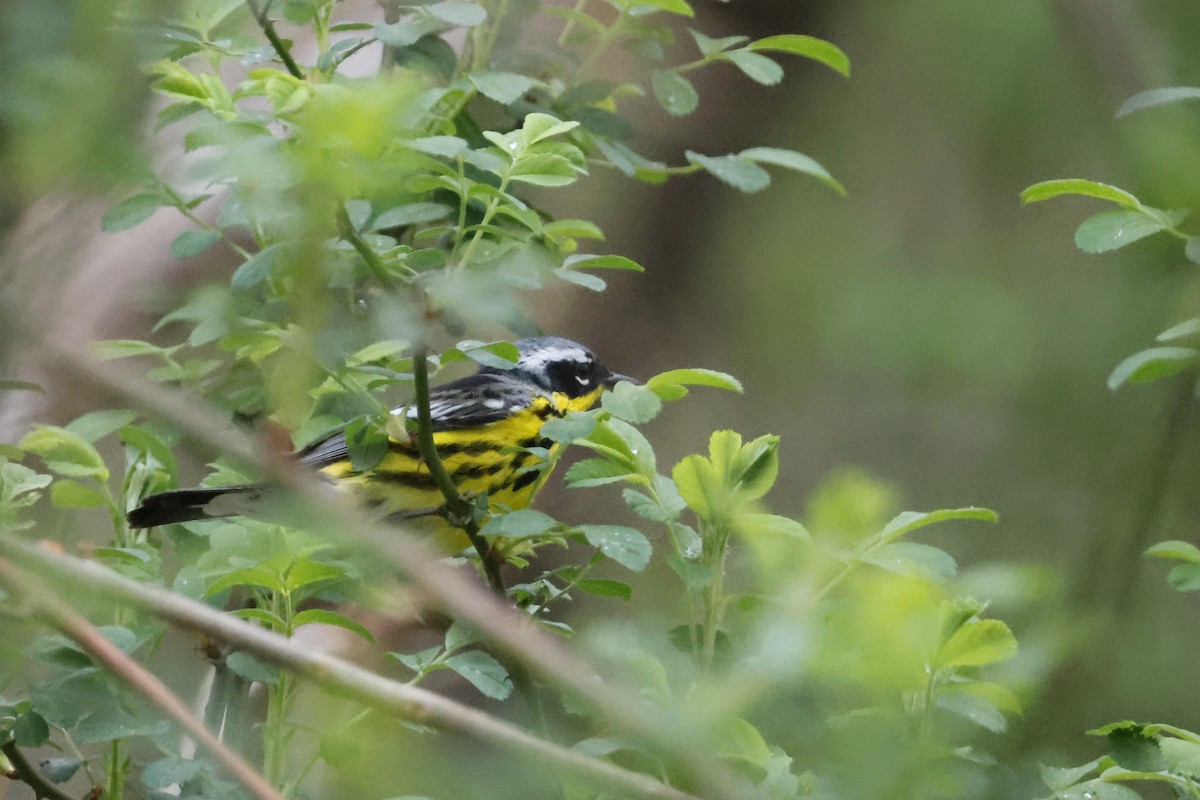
(332, 673)
(109, 656)
(30, 775)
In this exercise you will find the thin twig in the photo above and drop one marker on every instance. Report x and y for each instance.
(268, 28)
(460, 510)
(332, 673)
(351, 235)
(29, 775)
(108, 655)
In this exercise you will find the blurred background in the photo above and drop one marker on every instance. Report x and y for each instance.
(925, 329)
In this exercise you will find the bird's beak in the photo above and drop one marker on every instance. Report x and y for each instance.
(616, 377)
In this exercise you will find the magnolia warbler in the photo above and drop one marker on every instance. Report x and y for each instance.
(486, 429)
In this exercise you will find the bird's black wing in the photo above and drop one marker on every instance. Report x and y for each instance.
(465, 403)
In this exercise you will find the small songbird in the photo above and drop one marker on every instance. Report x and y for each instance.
(483, 428)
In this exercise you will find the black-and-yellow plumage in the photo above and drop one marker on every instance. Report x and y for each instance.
(483, 427)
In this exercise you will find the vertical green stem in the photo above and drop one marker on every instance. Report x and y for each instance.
(114, 788)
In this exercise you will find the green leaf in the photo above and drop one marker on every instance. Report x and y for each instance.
(694, 574)
(1184, 577)
(130, 212)
(605, 588)
(636, 404)
(977, 644)
(95, 425)
(640, 7)
(1158, 97)
(585, 279)
(908, 521)
(410, 214)
(483, 672)
(674, 93)
(974, 709)
(69, 494)
(1062, 777)
(167, 771)
(30, 730)
(601, 262)
(65, 452)
(519, 524)
(790, 159)
(627, 546)
(1152, 364)
(757, 68)
(806, 46)
(247, 576)
(771, 525)
(1135, 750)
(466, 15)
(710, 46)
(124, 348)
(1183, 551)
(912, 558)
(1097, 789)
(252, 669)
(113, 723)
(740, 173)
(397, 34)
(1191, 250)
(326, 617)
(699, 484)
(670, 385)
(1181, 757)
(596, 472)
(538, 127)
(503, 87)
(572, 229)
(1111, 230)
(193, 243)
(1184, 329)
(1083, 188)
(255, 269)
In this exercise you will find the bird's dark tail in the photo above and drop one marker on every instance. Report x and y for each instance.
(185, 505)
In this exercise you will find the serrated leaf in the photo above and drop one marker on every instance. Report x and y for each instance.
(1135, 750)
(1111, 230)
(977, 644)
(1152, 364)
(193, 243)
(1082, 188)
(65, 453)
(326, 617)
(674, 93)
(629, 547)
(503, 87)
(596, 472)
(1057, 778)
(790, 159)
(1158, 97)
(483, 672)
(632, 403)
(807, 47)
(740, 173)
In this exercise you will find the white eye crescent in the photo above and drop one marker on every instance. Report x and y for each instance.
(583, 381)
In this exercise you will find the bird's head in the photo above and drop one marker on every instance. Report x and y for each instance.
(561, 365)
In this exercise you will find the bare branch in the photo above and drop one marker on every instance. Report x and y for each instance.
(108, 655)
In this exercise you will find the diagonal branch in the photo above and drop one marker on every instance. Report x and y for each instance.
(334, 674)
(268, 28)
(108, 655)
(28, 774)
